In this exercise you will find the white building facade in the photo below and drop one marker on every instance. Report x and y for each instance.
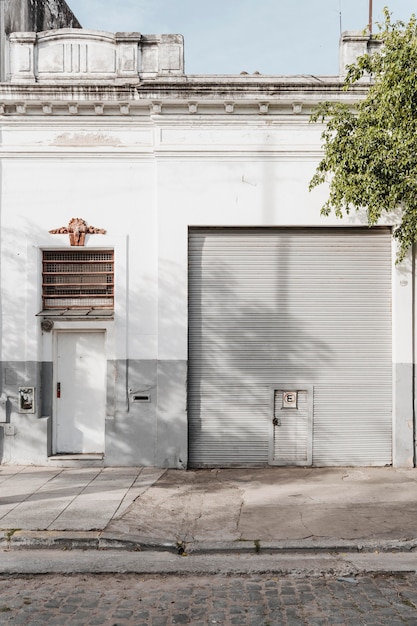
(170, 293)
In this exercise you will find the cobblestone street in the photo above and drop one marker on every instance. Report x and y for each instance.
(110, 600)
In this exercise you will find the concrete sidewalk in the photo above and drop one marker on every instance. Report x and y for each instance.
(44, 505)
(351, 509)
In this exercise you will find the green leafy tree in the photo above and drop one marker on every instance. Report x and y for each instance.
(370, 149)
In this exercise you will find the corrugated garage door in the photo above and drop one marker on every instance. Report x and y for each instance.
(306, 308)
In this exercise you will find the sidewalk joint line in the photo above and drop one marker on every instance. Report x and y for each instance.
(99, 470)
(125, 496)
(29, 495)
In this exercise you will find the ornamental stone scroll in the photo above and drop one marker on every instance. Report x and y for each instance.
(77, 229)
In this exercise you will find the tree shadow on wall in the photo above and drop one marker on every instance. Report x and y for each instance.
(244, 338)
(262, 315)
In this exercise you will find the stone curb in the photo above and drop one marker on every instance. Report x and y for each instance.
(79, 540)
(302, 545)
(100, 540)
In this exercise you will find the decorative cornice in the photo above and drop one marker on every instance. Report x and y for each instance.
(187, 96)
(146, 109)
(188, 86)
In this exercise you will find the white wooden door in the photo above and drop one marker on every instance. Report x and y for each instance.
(80, 389)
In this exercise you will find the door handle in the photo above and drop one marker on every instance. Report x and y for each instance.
(58, 390)
(276, 421)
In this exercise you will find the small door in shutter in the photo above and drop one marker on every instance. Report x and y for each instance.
(292, 423)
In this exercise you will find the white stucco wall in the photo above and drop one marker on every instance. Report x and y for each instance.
(146, 180)
(146, 163)
(145, 197)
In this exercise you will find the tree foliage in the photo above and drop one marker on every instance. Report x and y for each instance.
(370, 149)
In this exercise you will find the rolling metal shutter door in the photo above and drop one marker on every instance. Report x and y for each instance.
(270, 305)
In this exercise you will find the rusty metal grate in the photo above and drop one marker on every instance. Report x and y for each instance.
(78, 279)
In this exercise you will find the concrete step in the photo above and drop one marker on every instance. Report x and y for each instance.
(76, 460)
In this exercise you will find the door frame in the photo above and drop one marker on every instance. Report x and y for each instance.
(66, 331)
(292, 386)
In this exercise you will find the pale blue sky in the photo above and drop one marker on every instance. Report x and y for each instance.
(230, 36)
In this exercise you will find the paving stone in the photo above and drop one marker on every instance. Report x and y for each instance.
(129, 600)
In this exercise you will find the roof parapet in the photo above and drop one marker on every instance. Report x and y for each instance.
(87, 56)
(353, 45)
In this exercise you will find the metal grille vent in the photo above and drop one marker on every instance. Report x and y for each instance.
(78, 279)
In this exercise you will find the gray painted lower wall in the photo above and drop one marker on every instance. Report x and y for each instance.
(15, 374)
(131, 423)
(146, 421)
(403, 426)
(46, 372)
(25, 437)
(172, 433)
(148, 425)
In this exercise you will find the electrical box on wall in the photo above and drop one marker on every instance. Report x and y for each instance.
(26, 399)
(9, 430)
